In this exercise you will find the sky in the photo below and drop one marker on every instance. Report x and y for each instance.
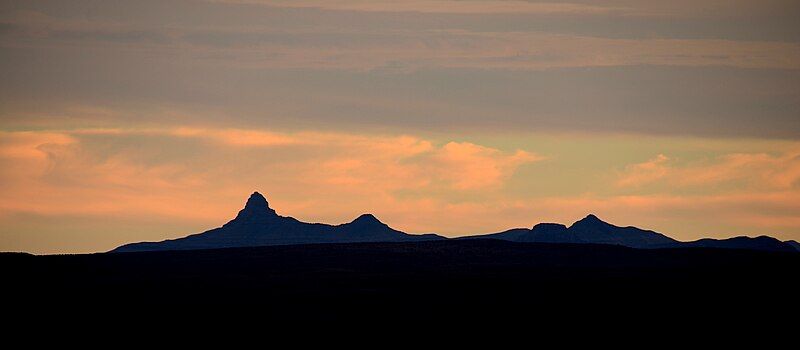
(124, 121)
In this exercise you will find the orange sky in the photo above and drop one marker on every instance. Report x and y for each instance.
(148, 120)
(60, 184)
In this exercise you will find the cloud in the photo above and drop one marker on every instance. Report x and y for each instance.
(28, 145)
(470, 166)
(705, 9)
(404, 49)
(238, 137)
(438, 6)
(198, 177)
(646, 172)
(268, 67)
(148, 171)
(746, 170)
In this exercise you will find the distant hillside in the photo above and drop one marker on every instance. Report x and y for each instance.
(595, 231)
(588, 230)
(754, 243)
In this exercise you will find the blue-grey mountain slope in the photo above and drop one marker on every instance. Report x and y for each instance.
(259, 225)
(765, 243)
(588, 230)
(595, 231)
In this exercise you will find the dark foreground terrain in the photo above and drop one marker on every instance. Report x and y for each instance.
(469, 281)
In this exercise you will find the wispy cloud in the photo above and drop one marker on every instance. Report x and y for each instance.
(706, 9)
(746, 170)
(79, 177)
(259, 46)
(439, 6)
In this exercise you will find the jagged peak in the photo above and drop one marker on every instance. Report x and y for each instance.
(256, 200)
(591, 219)
(256, 208)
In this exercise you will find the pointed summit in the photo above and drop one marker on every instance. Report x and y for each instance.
(591, 220)
(592, 217)
(256, 201)
(256, 209)
(367, 220)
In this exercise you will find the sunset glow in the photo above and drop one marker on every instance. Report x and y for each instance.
(150, 120)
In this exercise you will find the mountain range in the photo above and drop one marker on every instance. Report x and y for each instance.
(259, 225)
(592, 230)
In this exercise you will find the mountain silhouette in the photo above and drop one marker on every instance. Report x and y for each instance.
(595, 231)
(755, 243)
(259, 225)
(587, 230)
